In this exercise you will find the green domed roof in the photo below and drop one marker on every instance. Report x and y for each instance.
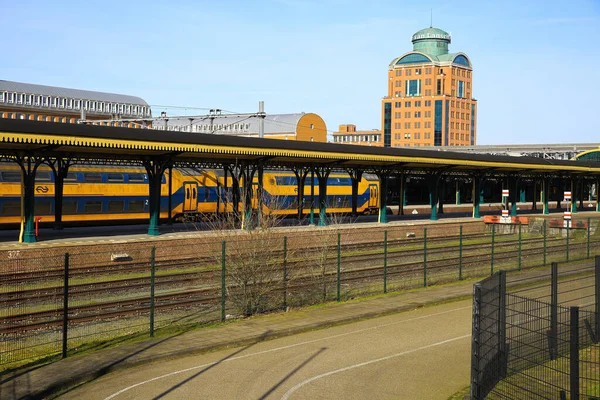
(431, 33)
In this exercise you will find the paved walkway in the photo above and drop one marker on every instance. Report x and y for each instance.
(43, 381)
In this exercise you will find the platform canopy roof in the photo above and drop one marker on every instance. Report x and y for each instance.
(111, 144)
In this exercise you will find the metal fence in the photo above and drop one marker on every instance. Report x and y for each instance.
(526, 348)
(66, 302)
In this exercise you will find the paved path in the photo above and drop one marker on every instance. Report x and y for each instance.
(401, 356)
(49, 379)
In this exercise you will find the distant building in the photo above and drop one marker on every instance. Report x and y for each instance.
(430, 96)
(56, 104)
(349, 135)
(307, 127)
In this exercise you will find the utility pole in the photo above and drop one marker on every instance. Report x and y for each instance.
(261, 119)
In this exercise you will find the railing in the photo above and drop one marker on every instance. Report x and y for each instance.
(526, 348)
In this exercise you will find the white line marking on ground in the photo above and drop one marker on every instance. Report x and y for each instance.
(112, 396)
(314, 378)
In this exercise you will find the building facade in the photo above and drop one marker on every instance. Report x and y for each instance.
(429, 98)
(307, 127)
(56, 104)
(348, 134)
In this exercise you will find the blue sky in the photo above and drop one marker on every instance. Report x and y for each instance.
(536, 63)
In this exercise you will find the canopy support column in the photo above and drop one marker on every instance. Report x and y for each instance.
(433, 182)
(29, 165)
(383, 186)
(155, 169)
(301, 174)
(60, 169)
(513, 185)
(323, 175)
(545, 194)
(476, 194)
(355, 176)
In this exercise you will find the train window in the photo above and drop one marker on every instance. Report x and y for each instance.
(11, 208)
(93, 177)
(11, 176)
(93, 206)
(136, 177)
(43, 176)
(194, 193)
(69, 207)
(115, 177)
(116, 205)
(206, 194)
(187, 193)
(71, 177)
(43, 207)
(136, 206)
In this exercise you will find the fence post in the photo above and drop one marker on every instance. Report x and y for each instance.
(385, 234)
(460, 244)
(597, 308)
(568, 234)
(152, 281)
(284, 273)
(520, 247)
(544, 242)
(554, 312)
(223, 281)
(588, 237)
(65, 332)
(424, 257)
(493, 243)
(574, 353)
(502, 349)
(339, 258)
(475, 390)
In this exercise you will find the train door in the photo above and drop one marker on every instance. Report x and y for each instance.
(374, 195)
(190, 202)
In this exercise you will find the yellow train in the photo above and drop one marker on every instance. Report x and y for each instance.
(120, 194)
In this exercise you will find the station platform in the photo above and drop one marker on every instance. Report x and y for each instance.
(417, 215)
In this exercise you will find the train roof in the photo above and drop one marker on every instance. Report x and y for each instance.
(29, 88)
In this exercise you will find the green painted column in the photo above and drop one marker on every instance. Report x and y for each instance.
(475, 196)
(457, 192)
(28, 201)
(432, 182)
(402, 194)
(545, 193)
(247, 200)
(355, 177)
(522, 195)
(574, 196)
(154, 169)
(312, 196)
(513, 187)
(323, 175)
(383, 186)
(597, 195)
(154, 203)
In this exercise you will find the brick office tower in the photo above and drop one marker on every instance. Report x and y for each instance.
(430, 95)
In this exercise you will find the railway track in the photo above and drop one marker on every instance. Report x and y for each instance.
(13, 298)
(15, 278)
